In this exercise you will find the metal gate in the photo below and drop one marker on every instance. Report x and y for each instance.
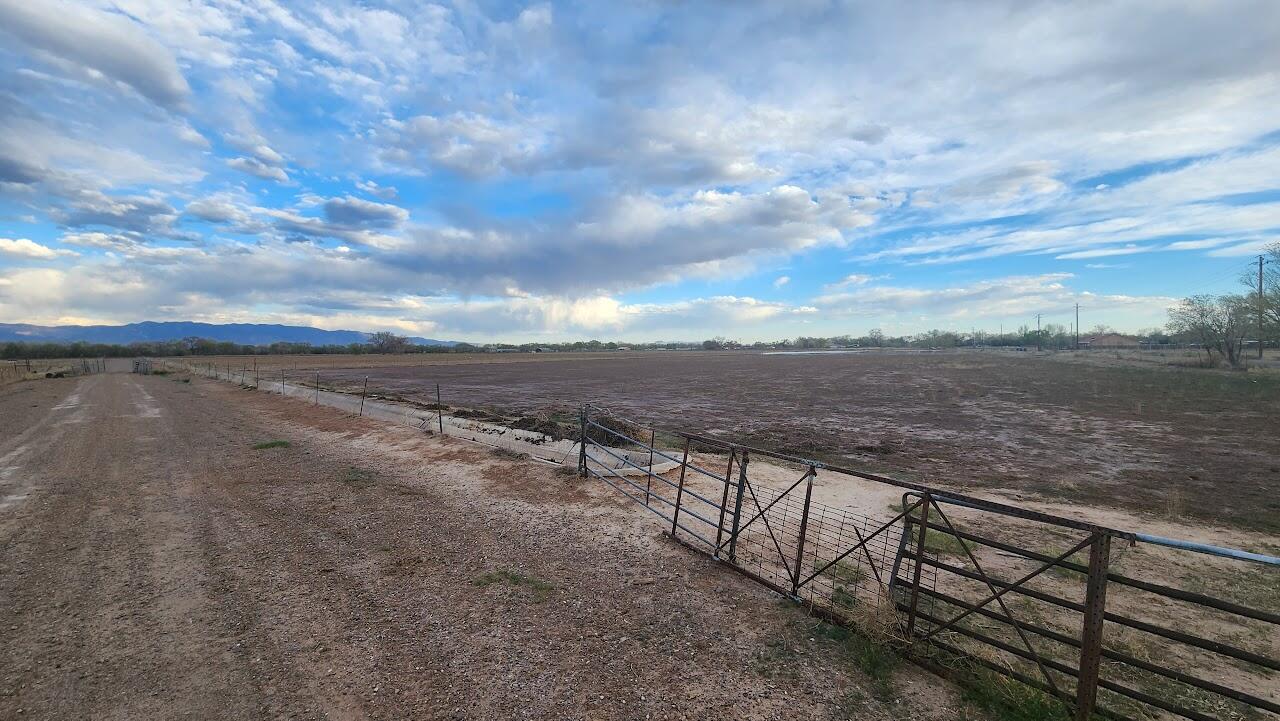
(955, 579)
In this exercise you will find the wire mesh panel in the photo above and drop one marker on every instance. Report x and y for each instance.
(969, 583)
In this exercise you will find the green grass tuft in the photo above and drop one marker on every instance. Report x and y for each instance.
(358, 477)
(1008, 700)
(540, 589)
(942, 543)
(871, 657)
(271, 444)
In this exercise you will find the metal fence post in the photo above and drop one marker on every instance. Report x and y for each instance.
(724, 499)
(439, 410)
(363, 393)
(737, 505)
(648, 484)
(902, 548)
(1095, 604)
(317, 389)
(582, 442)
(804, 527)
(684, 465)
(926, 501)
(282, 381)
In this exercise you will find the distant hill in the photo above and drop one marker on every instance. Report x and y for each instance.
(243, 333)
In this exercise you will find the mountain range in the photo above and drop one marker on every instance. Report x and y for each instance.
(243, 333)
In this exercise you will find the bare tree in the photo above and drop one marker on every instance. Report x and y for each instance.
(1218, 323)
(385, 342)
(1268, 306)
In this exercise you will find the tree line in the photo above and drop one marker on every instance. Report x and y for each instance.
(1217, 324)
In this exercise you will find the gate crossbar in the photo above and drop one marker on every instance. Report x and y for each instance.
(1068, 664)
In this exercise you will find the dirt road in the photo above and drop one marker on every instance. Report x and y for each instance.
(153, 564)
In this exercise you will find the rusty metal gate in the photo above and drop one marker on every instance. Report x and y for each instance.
(965, 585)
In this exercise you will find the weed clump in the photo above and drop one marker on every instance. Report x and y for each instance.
(538, 588)
(271, 444)
(1009, 700)
(870, 655)
(358, 477)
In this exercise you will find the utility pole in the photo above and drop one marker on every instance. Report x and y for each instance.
(1077, 326)
(1261, 306)
(1039, 339)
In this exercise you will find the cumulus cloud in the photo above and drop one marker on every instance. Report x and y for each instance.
(631, 241)
(126, 242)
(258, 169)
(135, 213)
(357, 221)
(215, 210)
(98, 44)
(380, 191)
(17, 172)
(539, 173)
(470, 144)
(354, 213)
(24, 248)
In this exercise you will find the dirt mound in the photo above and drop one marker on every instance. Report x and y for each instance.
(556, 430)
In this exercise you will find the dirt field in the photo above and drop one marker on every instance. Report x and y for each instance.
(156, 565)
(1166, 442)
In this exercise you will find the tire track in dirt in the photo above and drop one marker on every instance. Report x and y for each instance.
(164, 569)
(637, 633)
(96, 578)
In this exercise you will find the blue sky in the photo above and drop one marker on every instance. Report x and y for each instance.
(484, 171)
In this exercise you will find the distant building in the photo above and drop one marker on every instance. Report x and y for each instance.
(1111, 340)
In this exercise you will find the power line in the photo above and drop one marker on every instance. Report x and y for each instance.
(1237, 271)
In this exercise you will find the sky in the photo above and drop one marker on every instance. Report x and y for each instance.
(633, 171)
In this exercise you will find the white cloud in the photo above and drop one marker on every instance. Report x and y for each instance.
(134, 213)
(1103, 252)
(1013, 297)
(631, 242)
(352, 212)
(471, 144)
(98, 44)
(372, 188)
(105, 241)
(530, 159)
(853, 279)
(257, 168)
(781, 281)
(24, 248)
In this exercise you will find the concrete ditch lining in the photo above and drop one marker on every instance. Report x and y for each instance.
(536, 445)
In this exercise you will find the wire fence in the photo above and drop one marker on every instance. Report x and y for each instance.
(971, 586)
(13, 371)
(1111, 623)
